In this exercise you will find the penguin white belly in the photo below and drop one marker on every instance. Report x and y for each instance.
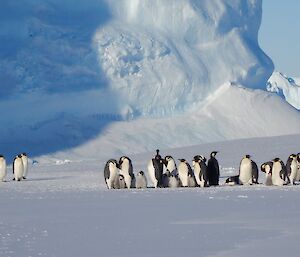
(268, 181)
(18, 169)
(151, 172)
(276, 179)
(128, 180)
(183, 174)
(112, 178)
(298, 171)
(197, 171)
(25, 165)
(294, 170)
(245, 176)
(2, 169)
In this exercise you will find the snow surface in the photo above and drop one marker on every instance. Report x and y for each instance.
(287, 87)
(64, 209)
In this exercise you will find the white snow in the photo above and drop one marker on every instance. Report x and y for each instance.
(66, 210)
(287, 87)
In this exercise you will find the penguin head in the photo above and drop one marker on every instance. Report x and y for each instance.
(292, 156)
(24, 154)
(19, 155)
(123, 159)
(263, 167)
(247, 156)
(213, 154)
(168, 158)
(1, 156)
(276, 159)
(141, 173)
(113, 163)
(298, 157)
(157, 151)
(199, 158)
(182, 160)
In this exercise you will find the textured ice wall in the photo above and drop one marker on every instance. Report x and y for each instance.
(165, 56)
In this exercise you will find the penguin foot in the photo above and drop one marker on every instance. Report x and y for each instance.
(14, 179)
(24, 177)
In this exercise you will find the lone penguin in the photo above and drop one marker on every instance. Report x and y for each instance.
(2, 168)
(25, 164)
(267, 168)
(111, 171)
(155, 170)
(18, 168)
(292, 168)
(141, 180)
(200, 170)
(185, 173)
(248, 172)
(278, 172)
(213, 170)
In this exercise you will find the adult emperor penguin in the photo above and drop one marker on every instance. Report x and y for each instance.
(155, 169)
(267, 168)
(213, 170)
(18, 168)
(298, 164)
(247, 168)
(184, 172)
(141, 180)
(170, 165)
(292, 168)
(126, 169)
(200, 170)
(2, 168)
(278, 172)
(111, 171)
(25, 164)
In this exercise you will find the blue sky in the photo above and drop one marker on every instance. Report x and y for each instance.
(279, 34)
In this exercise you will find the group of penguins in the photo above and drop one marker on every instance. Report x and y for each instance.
(20, 167)
(164, 172)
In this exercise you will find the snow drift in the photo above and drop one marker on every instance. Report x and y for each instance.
(287, 87)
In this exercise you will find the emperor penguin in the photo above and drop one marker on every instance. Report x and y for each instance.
(200, 170)
(213, 169)
(185, 173)
(233, 180)
(141, 180)
(278, 172)
(2, 168)
(155, 169)
(247, 168)
(25, 164)
(292, 168)
(298, 165)
(174, 181)
(267, 168)
(111, 171)
(119, 182)
(171, 165)
(18, 168)
(126, 169)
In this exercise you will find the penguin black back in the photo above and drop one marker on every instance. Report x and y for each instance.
(213, 170)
